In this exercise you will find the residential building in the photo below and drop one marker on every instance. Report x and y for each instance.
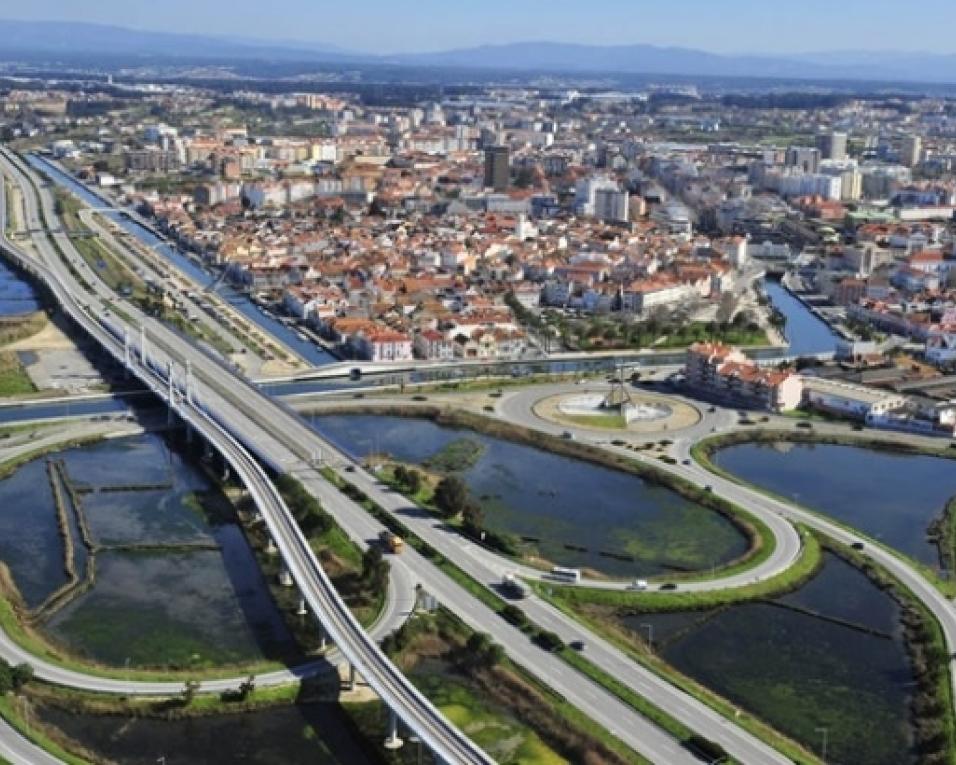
(724, 373)
(497, 168)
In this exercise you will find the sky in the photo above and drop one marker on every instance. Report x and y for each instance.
(392, 26)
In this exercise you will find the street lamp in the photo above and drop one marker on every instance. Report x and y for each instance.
(823, 752)
(650, 635)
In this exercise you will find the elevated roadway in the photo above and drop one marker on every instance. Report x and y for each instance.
(218, 425)
(286, 443)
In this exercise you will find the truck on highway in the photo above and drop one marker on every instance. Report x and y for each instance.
(392, 542)
(513, 587)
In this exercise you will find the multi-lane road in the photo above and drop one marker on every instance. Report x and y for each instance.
(286, 443)
(223, 426)
(283, 441)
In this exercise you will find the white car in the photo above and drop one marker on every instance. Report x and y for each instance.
(639, 584)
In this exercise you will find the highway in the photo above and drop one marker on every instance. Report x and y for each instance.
(285, 442)
(441, 736)
(769, 509)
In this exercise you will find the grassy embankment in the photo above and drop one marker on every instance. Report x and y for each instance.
(802, 570)
(944, 530)
(507, 712)
(14, 380)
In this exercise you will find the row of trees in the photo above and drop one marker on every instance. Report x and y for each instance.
(311, 517)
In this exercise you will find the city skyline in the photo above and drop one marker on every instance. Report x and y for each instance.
(376, 26)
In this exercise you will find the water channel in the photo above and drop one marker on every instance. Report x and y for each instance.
(561, 501)
(17, 297)
(309, 351)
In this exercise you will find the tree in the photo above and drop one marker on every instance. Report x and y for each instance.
(374, 568)
(474, 518)
(413, 481)
(14, 678)
(451, 496)
(482, 651)
(401, 475)
(21, 675)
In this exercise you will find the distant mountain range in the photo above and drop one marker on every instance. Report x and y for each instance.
(63, 38)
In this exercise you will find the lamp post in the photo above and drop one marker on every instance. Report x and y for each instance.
(823, 750)
(650, 635)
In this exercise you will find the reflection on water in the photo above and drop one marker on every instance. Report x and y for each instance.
(857, 486)
(154, 606)
(17, 296)
(317, 734)
(561, 501)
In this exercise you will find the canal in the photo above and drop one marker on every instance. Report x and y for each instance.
(806, 333)
(239, 300)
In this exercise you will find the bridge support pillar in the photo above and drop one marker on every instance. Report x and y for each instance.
(350, 684)
(285, 577)
(323, 638)
(392, 741)
(271, 548)
(302, 610)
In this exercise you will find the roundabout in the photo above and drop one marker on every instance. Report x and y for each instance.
(599, 410)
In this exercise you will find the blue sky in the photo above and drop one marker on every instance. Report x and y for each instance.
(385, 26)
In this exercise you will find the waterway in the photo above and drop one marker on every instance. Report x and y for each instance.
(240, 301)
(806, 333)
(802, 673)
(890, 496)
(155, 602)
(564, 503)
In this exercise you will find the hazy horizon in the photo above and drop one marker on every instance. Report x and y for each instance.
(735, 27)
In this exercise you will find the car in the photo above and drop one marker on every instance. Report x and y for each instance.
(577, 645)
(685, 462)
(668, 586)
(804, 424)
(708, 487)
(857, 545)
(350, 468)
(568, 435)
(712, 409)
(638, 584)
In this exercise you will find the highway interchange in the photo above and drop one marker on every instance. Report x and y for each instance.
(285, 442)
